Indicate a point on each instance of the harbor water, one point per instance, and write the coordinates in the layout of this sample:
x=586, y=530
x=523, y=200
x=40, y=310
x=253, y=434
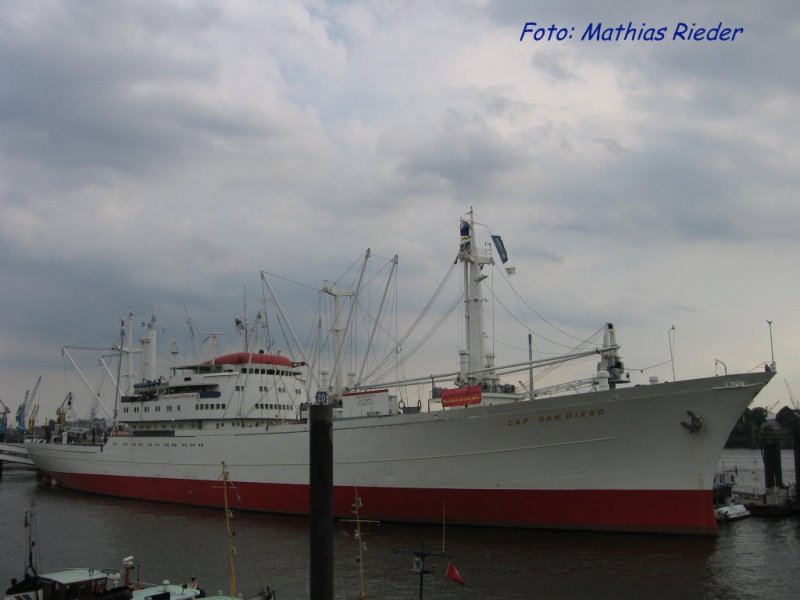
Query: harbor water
x=750, y=559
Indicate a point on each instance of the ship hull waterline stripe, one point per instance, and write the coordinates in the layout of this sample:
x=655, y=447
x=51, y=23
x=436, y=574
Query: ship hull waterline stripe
x=656, y=511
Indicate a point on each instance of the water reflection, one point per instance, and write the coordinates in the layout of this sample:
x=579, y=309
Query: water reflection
x=750, y=559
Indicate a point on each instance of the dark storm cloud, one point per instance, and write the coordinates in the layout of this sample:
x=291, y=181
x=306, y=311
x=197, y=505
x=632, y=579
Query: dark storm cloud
x=161, y=153
x=105, y=85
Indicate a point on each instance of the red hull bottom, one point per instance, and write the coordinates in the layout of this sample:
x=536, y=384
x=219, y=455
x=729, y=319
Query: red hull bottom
x=655, y=511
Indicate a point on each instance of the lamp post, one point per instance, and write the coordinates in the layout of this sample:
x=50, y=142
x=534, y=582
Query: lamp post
x=670, y=337
x=771, y=349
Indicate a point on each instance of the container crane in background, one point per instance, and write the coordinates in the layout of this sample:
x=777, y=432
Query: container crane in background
x=32, y=418
x=4, y=411
x=22, y=412
x=792, y=401
x=61, y=411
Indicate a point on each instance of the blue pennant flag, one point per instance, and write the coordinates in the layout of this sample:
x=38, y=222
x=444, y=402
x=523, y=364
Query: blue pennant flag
x=501, y=249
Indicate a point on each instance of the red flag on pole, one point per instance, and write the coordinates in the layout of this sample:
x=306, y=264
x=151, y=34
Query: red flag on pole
x=453, y=574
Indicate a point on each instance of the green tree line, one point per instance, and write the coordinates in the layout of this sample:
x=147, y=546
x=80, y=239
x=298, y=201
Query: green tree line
x=749, y=429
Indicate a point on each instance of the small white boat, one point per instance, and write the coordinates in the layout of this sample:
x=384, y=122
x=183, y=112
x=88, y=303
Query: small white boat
x=731, y=512
x=85, y=584
x=98, y=584
x=69, y=584
x=165, y=591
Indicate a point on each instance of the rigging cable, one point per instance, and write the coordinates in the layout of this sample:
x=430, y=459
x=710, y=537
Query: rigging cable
x=399, y=345
x=534, y=311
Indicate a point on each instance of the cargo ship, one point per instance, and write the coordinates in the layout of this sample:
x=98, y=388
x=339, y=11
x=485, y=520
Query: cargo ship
x=610, y=456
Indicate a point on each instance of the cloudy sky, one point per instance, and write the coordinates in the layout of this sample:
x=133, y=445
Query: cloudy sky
x=159, y=155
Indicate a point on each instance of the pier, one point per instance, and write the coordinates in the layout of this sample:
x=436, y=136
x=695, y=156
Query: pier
x=14, y=454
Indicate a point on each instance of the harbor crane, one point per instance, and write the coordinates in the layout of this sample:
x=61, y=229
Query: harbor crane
x=22, y=411
x=62, y=410
x=32, y=418
x=791, y=396
x=4, y=411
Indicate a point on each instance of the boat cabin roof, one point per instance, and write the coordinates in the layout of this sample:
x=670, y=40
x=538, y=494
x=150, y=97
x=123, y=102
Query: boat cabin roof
x=72, y=576
x=166, y=591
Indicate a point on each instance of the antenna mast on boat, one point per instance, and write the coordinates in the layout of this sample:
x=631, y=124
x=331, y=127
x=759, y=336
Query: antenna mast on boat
x=360, y=558
x=244, y=321
x=282, y=316
x=231, y=573
x=148, y=343
x=474, y=360
x=339, y=333
x=119, y=374
x=129, y=351
x=33, y=553
x=377, y=319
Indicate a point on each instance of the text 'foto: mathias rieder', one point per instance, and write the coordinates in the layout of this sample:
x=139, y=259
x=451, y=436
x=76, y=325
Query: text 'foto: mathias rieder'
x=628, y=32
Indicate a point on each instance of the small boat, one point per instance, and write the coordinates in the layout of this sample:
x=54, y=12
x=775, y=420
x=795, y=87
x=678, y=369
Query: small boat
x=97, y=584
x=773, y=510
x=70, y=584
x=726, y=506
x=166, y=591
x=87, y=583
x=723, y=486
x=66, y=584
x=267, y=594
x=731, y=512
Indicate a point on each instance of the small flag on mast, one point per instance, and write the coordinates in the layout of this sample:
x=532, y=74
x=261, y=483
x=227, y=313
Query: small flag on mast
x=453, y=574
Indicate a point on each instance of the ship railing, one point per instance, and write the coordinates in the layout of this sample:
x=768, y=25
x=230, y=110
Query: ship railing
x=567, y=387
x=497, y=370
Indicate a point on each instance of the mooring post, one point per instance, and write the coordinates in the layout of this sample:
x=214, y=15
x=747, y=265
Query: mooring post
x=796, y=450
x=321, y=500
x=773, y=473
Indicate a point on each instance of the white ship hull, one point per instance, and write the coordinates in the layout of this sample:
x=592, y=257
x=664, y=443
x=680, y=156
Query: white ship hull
x=620, y=459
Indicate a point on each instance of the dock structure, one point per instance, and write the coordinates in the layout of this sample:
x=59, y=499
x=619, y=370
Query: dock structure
x=777, y=501
x=321, y=501
x=13, y=454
